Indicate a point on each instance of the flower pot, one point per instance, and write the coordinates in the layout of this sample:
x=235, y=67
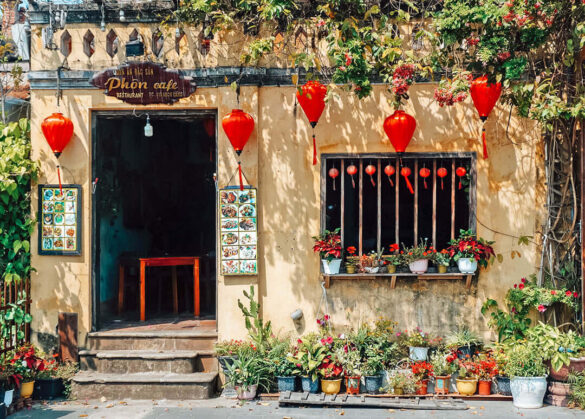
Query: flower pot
x=8, y=396
x=466, y=387
x=442, y=384
x=372, y=269
x=330, y=386
x=398, y=391
x=352, y=385
x=503, y=385
x=442, y=269
x=350, y=269
x=419, y=266
x=391, y=269
x=467, y=265
x=422, y=387
x=576, y=365
x=3, y=412
x=373, y=383
x=417, y=353
x=246, y=393
x=484, y=387
x=287, y=383
x=48, y=389
x=467, y=351
x=26, y=389
x=528, y=392
x=224, y=361
x=310, y=385
x=331, y=267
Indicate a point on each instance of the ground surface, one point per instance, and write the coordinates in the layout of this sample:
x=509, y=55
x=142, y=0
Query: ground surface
x=225, y=408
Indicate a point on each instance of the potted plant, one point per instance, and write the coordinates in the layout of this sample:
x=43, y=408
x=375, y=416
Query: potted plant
x=467, y=377
x=401, y=382
x=309, y=355
x=502, y=378
x=394, y=259
x=442, y=260
x=54, y=381
x=371, y=263
x=443, y=366
x=469, y=251
x=464, y=341
x=27, y=364
x=417, y=257
x=350, y=359
x=487, y=370
x=285, y=374
x=422, y=372
x=417, y=343
x=328, y=245
x=528, y=376
x=246, y=373
x=351, y=260
x=331, y=372
x=227, y=351
x=371, y=368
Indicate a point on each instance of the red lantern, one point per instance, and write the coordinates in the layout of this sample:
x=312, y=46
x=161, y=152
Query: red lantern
x=442, y=172
x=370, y=170
x=460, y=172
x=389, y=170
x=352, y=170
x=333, y=173
x=424, y=173
x=484, y=95
x=399, y=128
x=58, y=131
x=238, y=126
x=405, y=171
x=311, y=97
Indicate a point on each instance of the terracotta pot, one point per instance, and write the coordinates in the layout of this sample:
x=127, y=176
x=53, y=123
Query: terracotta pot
x=442, y=384
x=26, y=389
x=352, y=385
x=485, y=387
x=419, y=266
x=442, y=269
x=391, y=269
x=576, y=365
x=330, y=386
x=466, y=387
x=422, y=387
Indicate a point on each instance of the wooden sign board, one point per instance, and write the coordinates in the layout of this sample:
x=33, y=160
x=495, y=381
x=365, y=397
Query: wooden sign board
x=238, y=222
x=144, y=83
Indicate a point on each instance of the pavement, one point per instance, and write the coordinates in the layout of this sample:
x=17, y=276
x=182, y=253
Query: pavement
x=232, y=409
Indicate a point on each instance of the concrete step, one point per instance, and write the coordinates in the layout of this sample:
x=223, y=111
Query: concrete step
x=134, y=361
x=88, y=385
x=191, y=340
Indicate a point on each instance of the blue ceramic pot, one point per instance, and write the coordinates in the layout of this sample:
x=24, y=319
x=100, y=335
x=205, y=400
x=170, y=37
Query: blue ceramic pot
x=310, y=385
x=373, y=383
x=503, y=385
x=287, y=383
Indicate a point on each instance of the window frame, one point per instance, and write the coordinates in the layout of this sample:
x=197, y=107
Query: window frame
x=396, y=157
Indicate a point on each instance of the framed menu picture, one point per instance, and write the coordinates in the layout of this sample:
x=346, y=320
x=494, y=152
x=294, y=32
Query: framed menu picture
x=60, y=220
x=238, y=220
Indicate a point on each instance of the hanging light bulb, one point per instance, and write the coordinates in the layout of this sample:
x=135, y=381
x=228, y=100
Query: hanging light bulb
x=103, y=22
x=177, y=32
x=148, y=131
x=122, y=16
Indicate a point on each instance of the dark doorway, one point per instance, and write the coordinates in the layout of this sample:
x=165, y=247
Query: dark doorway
x=153, y=197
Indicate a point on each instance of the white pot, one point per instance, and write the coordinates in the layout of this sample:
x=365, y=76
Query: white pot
x=372, y=269
x=8, y=397
x=528, y=392
x=331, y=267
x=419, y=266
x=467, y=265
x=417, y=353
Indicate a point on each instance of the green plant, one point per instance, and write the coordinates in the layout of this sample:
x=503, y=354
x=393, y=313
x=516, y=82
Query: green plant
x=259, y=332
x=13, y=320
x=442, y=258
x=350, y=359
x=553, y=344
x=443, y=363
x=416, y=338
x=577, y=393
x=401, y=380
x=462, y=337
x=525, y=360
x=284, y=368
x=308, y=356
x=246, y=371
x=228, y=347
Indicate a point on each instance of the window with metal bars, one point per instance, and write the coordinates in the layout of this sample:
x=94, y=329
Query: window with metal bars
x=380, y=199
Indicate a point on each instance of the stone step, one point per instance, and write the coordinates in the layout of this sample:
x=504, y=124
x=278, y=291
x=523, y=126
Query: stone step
x=192, y=340
x=134, y=361
x=89, y=385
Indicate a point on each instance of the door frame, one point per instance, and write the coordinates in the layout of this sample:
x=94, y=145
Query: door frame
x=115, y=113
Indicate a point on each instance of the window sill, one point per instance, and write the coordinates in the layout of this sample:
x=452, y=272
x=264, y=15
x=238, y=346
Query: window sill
x=427, y=276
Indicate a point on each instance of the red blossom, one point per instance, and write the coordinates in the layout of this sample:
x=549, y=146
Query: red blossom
x=542, y=308
x=568, y=293
x=521, y=286
x=576, y=294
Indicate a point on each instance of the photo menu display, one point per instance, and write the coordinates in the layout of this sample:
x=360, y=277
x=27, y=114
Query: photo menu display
x=60, y=220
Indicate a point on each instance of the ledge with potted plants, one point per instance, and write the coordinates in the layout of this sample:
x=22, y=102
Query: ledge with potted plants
x=467, y=252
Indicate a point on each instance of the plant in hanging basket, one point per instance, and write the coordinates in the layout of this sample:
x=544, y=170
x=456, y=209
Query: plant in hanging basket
x=328, y=244
x=468, y=246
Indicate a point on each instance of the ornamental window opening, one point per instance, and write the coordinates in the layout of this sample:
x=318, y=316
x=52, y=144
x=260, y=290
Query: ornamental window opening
x=381, y=199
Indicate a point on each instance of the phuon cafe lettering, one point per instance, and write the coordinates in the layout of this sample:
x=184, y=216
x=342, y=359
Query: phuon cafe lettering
x=144, y=83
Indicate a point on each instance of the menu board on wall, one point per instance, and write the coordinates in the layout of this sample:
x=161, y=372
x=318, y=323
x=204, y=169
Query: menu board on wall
x=238, y=220
x=60, y=220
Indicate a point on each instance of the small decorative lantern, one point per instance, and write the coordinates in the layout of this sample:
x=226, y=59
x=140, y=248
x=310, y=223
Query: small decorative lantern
x=238, y=126
x=58, y=130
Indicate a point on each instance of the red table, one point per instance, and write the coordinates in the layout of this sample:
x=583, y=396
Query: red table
x=162, y=261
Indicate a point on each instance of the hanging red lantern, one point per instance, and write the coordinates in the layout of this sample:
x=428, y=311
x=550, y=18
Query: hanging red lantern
x=485, y=96
x=389, y=170
x=311, y=97
x=424, y=173
x=399, y=128
x=442, y=172
x=58, y=131
x=370, y=170
x=333, y=173
x=460, y=172
x=405, y=171
x=352, y=170
x=238, y=126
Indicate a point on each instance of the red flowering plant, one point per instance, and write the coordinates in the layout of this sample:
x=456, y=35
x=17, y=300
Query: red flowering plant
x=487, y=367
x=422, y=370
x=420, y=251
x=328, y=244
x=330, y=368
x=402, y=78
x=468, y=369
x=451, y=91
x=467, y=245
x=324, y=322
x=394, y=258
x=26, y=362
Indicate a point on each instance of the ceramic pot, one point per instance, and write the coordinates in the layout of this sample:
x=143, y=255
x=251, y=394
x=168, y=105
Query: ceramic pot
x=442, y=384
x=246, y=393
x=422, y=387
x=419, y=266
x=442, y=269
x=467, y=265
x=398, y=391
x=391, y=269
x=467, y=351
x=48, y=389
x=310, y=385
x=286, y=383
x=372, y=269
x=466, y=387
x=350, y=269
x=373, y=383
x=26, y=389
x=8, y=396
x=224, y=361
x=484, y=387
x=503, y=385
x=417, y=353
x=528, y=392
x=331, y=267
x=352, y=385
x=330, y=386
x=576, y=365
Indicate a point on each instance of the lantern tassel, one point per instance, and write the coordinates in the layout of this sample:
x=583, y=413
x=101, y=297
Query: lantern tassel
x=459, y=184
x=372, y=180
x=390, y=180
x=352, y=182
x=59, y=176
x=314, y=150
x=485, y=152
x=425, y=182
x=333, y=183
x=441, y=183
x=240, y=174
x=409, y=184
